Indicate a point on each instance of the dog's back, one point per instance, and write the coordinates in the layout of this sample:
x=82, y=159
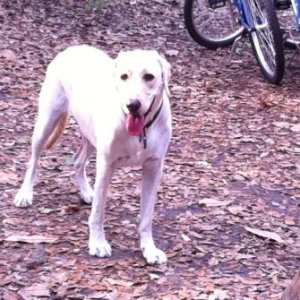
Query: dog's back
x=80, y=68
x=78, y=82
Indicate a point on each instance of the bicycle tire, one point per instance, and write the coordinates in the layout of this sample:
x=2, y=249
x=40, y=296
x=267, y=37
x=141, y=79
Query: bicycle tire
x=288, y=24
x=200, y=36
x=271, y=67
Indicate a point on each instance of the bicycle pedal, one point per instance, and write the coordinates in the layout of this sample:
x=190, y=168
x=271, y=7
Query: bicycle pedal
x=216, y=3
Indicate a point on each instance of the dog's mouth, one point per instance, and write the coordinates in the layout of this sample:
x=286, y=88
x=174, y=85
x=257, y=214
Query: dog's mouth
x=135, y=124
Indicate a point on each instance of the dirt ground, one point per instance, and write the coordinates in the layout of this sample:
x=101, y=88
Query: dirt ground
x=227, y=212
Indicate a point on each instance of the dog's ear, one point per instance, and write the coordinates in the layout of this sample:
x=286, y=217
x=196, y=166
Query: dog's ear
x=166, y=72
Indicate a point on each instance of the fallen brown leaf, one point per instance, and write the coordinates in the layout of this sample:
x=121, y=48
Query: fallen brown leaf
x=295, y=128
x=249, y=281
x=8, y=177
x=31, y=239
x=266, y=234
x=214, y=202
x=35, y=290
x=120, y=282
x=8, y=54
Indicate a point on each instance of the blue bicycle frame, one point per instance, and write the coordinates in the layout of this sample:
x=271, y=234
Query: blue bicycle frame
x=246, y=16
x=296, y=9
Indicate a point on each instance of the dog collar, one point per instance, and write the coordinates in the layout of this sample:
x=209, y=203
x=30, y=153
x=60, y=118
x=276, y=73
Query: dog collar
x=143, y=136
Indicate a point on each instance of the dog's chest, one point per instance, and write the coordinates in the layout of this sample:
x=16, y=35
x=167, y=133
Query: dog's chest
x=133, y=154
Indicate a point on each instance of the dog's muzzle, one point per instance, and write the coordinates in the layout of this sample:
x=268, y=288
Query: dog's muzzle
x=134, y=106
x=135, y=121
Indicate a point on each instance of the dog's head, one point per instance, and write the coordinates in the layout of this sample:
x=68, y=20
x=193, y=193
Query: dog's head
x=142, y=77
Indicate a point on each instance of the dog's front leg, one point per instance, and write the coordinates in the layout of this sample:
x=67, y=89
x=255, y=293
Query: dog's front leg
x=97, y=242
x=152, y=171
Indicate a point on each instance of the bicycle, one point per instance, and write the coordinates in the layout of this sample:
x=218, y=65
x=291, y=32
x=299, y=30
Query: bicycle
x=221, y=23
x=289, y=19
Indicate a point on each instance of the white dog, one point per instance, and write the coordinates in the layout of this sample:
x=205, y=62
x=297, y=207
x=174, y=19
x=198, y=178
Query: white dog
x=122, y=108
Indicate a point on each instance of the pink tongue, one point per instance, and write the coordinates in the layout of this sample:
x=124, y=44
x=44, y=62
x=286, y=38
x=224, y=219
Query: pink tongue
x=134, y=124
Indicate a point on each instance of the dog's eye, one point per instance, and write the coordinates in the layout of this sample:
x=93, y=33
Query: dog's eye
x=124, y=77
x=148, y=77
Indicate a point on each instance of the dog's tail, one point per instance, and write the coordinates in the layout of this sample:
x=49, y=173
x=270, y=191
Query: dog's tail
x=58, y=130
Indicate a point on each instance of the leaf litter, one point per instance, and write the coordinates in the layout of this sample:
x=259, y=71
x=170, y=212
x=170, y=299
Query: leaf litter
x=233, y=163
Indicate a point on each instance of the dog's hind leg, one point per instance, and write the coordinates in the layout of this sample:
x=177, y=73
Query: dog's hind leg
x=52, y=113
x=82, y=155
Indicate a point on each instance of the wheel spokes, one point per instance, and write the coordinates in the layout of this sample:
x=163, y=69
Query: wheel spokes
x=265, y=40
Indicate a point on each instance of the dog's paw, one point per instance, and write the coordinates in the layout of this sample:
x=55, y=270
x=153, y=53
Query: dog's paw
x=23, y=198
x=154, y=255
x=99, y=248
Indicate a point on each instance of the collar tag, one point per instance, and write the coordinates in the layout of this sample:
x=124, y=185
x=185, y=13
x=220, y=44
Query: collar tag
x=143, y=138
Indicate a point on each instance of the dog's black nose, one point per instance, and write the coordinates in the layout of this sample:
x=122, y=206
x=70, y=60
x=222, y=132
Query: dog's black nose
x=134, y=106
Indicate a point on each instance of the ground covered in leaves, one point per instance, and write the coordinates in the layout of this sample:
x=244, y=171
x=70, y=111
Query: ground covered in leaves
x=227, y=213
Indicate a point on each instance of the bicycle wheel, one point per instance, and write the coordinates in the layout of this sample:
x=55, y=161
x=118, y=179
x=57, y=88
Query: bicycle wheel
x=288, y=24
x=212, y=27
x=266, y=40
